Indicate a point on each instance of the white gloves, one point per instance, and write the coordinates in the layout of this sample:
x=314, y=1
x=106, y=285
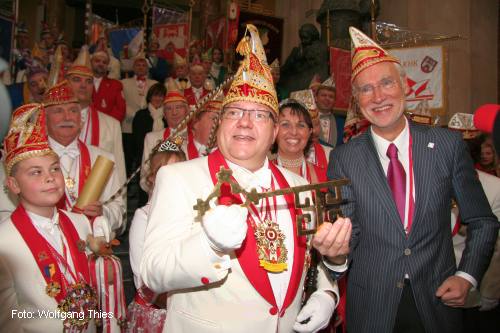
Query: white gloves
x=226, y=227
x=488, y=304
x=318, y=309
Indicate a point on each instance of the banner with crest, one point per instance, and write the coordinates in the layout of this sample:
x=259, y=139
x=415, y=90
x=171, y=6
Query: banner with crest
x=425, y=70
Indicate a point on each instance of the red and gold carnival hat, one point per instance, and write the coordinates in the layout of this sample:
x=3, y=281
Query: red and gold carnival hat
x=27, y=136
x=214, y=105
x=365, y=52
x=81, y=65
x=306, y=97
x=61, y=93
x=174, y=96
x=253, y=81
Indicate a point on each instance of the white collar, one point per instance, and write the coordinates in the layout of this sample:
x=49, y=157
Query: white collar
x=248, y=179
x=44, y=222
x=71, y=150
x=401, y=141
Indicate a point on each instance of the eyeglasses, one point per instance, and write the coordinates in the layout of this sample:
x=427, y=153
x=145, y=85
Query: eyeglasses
x=368, y=90
x=235, y=113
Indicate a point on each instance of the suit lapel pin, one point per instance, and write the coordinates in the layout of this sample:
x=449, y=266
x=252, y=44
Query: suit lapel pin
x=430, y=145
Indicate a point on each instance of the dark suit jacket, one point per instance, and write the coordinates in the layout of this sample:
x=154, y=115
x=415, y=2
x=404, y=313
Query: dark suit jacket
x=381, y=253
x=142, y=125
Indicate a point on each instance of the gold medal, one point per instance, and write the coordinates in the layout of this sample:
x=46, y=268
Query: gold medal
x=69, y=182
x=271, y=246
x=53, y=288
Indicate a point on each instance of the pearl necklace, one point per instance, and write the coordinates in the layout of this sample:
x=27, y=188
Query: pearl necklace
x=295, y=163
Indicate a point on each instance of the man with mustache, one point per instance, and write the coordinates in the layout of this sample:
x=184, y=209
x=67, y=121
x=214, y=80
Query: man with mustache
x=98, y=129
x=237, y=269
x=403, y=177
x=77, y=158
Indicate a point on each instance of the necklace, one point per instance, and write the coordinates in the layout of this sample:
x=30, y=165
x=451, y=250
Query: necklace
x=294, y=163
x=69, y=181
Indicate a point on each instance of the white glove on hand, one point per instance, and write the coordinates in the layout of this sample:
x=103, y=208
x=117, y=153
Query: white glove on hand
x=226, y=227
x=318, y=309
x=488, y=304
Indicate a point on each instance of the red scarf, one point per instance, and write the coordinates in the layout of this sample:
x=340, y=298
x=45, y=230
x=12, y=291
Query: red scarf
x=247, y=254
x=43, y=253
x=85, y=167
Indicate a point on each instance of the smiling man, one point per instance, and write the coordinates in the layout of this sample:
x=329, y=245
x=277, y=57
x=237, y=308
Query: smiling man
x=237, y=269
x=403, y=276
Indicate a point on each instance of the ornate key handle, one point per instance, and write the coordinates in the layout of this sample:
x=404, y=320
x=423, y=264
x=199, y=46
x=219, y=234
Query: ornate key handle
x=326, y=206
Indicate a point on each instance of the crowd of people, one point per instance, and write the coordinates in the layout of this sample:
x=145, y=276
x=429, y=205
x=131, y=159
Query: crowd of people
x=419, y=224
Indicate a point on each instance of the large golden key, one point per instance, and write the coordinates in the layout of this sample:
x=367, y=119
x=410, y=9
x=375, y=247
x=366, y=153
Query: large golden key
x=326, y=205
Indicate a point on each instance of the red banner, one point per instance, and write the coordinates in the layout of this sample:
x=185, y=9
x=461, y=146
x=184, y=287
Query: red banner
x=173, y=37
x=233, y=17
x=340, y=67
x=215, y=33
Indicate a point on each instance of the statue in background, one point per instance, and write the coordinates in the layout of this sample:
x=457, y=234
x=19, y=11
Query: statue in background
x=306, y=60
x=342, y=15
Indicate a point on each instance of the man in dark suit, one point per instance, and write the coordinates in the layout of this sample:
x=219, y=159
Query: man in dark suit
x=402, y=273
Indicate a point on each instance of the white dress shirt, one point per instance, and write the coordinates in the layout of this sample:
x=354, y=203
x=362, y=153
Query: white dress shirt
x=49, y=229
x=97, y=82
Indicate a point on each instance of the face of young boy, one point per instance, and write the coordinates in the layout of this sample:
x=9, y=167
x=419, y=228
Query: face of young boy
x=38, y=181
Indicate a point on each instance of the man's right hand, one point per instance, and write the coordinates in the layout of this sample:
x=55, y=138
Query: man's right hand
x=226, y=227
x=332, y=240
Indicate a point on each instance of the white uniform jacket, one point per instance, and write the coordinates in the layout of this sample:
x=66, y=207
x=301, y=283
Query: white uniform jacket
x=209, y=293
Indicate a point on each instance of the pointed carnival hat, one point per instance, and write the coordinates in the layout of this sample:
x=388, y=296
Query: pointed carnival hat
x=306, y=97
x=56, y=73
x=27, y=135
x=215, y=105
x=61, y=93
x=253, y=81
x=275, y=65
x=173, y=94
x=329, y=84
x=179, y=60
x=464, y=122
x=315, y=82
x=81, y=65
x=365, y=52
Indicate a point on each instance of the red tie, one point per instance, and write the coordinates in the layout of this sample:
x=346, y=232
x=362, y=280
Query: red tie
x=396, y=177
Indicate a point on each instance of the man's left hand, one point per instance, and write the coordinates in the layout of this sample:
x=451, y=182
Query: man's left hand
x=93, y=209
x=453, y=292
x=316, y=314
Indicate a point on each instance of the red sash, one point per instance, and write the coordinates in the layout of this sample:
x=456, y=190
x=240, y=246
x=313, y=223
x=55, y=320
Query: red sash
x=192, y=152
x=93, y=122
x=321, y=160
x=166, y=133
x=247, y=254
x=191, y=147
x=85, y=167
x=43, y=253
x=411, y=201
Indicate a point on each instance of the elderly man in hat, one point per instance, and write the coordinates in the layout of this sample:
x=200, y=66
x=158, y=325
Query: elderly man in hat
x=236, y=269
x=403, y=276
